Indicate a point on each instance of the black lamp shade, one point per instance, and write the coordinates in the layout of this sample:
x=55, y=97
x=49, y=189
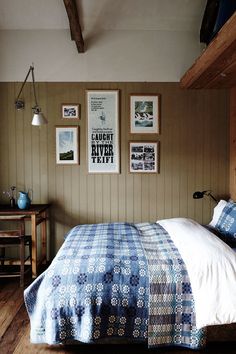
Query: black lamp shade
x=198, y=195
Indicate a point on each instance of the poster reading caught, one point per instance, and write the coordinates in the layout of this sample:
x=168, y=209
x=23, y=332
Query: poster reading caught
x=103, y=131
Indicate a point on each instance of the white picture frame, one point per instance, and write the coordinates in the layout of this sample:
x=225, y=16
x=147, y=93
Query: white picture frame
x=67, y=145
x=103, y=150
x=143, y=157
x=145, y=113
x=70, y=111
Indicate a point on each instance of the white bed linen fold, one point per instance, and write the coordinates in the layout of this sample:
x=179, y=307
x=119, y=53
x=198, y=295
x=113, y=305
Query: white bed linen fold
x=211, y=266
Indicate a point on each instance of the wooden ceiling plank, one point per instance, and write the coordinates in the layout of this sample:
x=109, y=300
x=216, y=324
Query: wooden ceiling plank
x=217, y=69
x=219, y=53
x=75, y=28
x=226, y=79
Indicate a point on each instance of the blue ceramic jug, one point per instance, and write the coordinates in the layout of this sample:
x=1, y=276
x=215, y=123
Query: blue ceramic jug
x=24, y=200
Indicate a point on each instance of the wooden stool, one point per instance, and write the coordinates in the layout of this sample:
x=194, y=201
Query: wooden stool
x=15, y=238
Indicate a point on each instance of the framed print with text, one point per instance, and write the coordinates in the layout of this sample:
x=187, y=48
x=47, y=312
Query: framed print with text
x=144, y=113
x=67, y=145
x=143, y=157
x=103, y=131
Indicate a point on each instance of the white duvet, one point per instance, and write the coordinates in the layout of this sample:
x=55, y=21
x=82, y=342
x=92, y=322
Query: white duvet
x=211, y=266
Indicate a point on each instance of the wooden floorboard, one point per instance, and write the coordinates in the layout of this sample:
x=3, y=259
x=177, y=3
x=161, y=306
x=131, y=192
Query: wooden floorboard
x=15, y=331
x=10, y=302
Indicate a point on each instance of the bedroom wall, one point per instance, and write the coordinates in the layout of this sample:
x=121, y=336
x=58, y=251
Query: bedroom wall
x=120, y=55
x=232, y=178
x=193, y=156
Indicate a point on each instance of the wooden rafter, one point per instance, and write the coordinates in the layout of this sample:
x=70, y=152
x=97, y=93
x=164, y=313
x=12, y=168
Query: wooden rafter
x=75, y=28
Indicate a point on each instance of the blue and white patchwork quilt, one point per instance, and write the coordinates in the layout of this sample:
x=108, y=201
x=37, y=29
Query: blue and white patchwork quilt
x=114, y=280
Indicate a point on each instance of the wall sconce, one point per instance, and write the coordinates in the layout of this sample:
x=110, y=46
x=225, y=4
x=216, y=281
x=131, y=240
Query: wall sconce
x=38, y=117
x=199, y=195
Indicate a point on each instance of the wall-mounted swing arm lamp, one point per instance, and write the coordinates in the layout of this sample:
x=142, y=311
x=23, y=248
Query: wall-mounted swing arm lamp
x=38, y=117
x=199, y=195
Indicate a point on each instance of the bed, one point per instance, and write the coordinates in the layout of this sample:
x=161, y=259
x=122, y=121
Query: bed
x=162, y=283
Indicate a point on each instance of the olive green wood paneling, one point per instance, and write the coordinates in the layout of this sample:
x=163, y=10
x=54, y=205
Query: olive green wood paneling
x=233, y=143
x=193, y=156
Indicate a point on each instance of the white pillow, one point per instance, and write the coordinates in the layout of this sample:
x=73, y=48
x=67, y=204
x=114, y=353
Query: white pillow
x=217, y=212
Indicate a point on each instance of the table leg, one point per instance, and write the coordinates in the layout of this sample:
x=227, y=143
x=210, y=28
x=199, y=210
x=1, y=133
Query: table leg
x=34, y=245
x=44, y=237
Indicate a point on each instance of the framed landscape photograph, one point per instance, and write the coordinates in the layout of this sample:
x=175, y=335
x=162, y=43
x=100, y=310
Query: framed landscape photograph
x=70, y=111
x=144, y=114
x=103, y=131
x=67, y=140
x=144, y=157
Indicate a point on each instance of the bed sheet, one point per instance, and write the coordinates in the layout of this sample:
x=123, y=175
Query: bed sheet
x=211, y=266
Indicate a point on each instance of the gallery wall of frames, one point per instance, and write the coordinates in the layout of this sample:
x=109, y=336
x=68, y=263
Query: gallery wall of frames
x=115, y=151
x=103, y=132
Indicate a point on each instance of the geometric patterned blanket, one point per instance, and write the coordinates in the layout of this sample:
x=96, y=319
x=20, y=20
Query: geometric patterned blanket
x=172, y=319
x=115, y=280
x=96, y=287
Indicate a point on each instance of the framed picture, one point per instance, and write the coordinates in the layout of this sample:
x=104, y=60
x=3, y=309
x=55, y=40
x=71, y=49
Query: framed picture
x=103, y=131
x=70, y=111
x=67, y=140
x=145, y=114
x=143, y=157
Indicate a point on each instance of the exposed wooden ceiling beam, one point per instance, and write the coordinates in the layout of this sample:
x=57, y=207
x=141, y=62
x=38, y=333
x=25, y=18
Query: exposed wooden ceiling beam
x=75, y=28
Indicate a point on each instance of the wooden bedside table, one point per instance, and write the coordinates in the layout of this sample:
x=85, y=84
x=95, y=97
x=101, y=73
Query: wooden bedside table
x=37, y=214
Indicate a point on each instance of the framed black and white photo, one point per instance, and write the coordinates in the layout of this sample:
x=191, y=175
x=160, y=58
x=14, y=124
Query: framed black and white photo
x=144, y=113
x=67, y=145
x=70, y=111
x=103, y=131
x=144, y=157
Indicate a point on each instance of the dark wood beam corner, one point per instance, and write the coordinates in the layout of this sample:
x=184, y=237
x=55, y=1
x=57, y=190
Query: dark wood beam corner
x=75, y=28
